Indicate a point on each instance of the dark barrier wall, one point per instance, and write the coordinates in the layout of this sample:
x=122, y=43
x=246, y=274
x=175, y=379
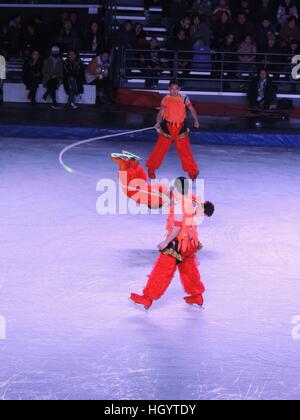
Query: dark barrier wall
x=258, y=139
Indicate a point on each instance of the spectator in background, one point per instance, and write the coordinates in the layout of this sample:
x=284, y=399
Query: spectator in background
x=263, y=9
x=140, y=37
x=53, y=75
x=140, y=42
x=242, y=28
x=126, y=35
x=200, y=29
x=181, y=42
x=67, y=39
x=94, y=39
x=221, y=29
x=244, y=7
x=73, y=77
x=272, y=61
x=42, y=37
x=286, y=9
x=202, y=8
x=151, y=63
x=177, y=11
x=29, y=38
x=201, y=56
x=264, y=30
x=289, y=31
x=292, y=50
x=4, y=40
x=59, y=24
x=14, y=33
x=183, y=46
x=261, y=93
x=247, y=57
x=184, y=24
x=229, y=48
x=32, y=74
x=223, y=6
x=97, y=73
x=76, y=28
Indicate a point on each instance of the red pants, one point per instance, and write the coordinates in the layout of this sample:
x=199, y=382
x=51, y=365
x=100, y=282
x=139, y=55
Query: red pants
x=183, y=147
x=142, y=192
x=164, y=271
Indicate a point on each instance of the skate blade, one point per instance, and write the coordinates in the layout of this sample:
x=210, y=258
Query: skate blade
x=196, y=306
x=119, y=156
x=131, y=155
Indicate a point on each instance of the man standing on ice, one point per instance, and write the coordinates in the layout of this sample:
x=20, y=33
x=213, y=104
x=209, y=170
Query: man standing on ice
x=172, y=126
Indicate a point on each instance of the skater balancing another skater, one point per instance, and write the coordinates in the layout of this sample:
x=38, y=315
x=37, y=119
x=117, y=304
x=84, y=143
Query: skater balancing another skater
x=181, y=245
x=178, y=250
x=172, y=127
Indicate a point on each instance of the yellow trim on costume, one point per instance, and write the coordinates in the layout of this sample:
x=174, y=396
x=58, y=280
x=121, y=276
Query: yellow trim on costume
x=173, y=253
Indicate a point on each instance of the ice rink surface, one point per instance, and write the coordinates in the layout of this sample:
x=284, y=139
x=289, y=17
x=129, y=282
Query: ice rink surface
x=66, y=274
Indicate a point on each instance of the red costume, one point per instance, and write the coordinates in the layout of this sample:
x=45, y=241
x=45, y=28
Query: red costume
x=174, y=129
x=134, y=181
x=181, y=252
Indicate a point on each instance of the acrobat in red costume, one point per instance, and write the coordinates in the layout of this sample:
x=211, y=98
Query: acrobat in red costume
x=179, y=248
x=172, y=127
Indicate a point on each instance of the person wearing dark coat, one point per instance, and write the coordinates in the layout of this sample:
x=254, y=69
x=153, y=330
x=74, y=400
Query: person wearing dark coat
x=94, y=38
x=73, y=77
x=32, y=74
x=53, y=75
x=261, y=93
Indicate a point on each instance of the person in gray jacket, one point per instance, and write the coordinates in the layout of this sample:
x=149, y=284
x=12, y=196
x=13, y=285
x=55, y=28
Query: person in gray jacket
x=53, y=75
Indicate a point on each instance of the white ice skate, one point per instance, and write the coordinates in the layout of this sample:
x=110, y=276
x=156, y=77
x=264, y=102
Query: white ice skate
x=131, y=155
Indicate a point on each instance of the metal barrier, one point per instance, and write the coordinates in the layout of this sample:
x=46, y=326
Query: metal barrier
x=205, y=70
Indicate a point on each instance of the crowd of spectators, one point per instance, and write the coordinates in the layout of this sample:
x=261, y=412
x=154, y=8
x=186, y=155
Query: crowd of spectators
x=19, y=35
x=240, y=28
x=247, y=31
x=51, y=54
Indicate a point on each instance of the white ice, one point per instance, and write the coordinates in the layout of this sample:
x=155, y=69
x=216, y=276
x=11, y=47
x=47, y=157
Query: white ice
x=66, y=274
